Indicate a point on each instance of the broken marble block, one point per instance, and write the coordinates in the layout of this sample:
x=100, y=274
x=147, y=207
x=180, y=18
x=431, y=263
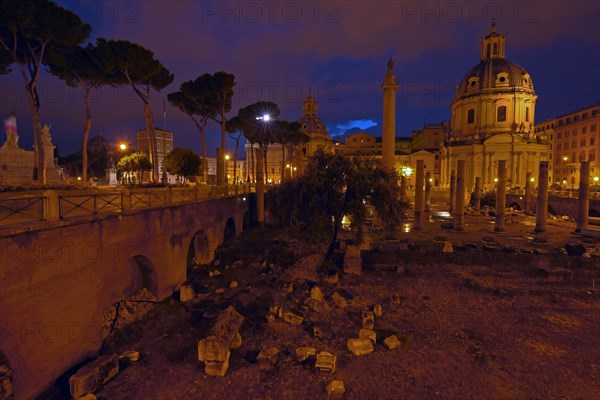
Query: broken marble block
x=368, y=320
x=302, y=353
x=292, y=318
x=338, y=300
x=317, y=294
x=369, y=334
x=335, y=390
x=447, y=247
x=391, y=342
x=186, y=293
x=360, y=346
x=130, y=355
x=269, y=357
x=215, y=355
x=227, y=327
x=326, y=362
x=378, y=310
x=94, y=375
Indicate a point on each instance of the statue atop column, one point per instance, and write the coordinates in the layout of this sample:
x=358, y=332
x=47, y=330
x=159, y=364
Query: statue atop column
x=390, y=64
x=46, y=138
x=10, y=127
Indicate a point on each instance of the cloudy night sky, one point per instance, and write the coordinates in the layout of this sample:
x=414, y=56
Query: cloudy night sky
x=277, y=50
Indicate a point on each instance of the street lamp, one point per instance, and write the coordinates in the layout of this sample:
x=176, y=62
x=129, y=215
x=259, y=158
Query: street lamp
x=123, y=146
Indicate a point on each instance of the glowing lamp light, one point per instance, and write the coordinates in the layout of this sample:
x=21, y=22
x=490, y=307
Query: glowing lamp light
x=495, y=179
x=407, y=171
x=565, y=158
x=532, y=179
x=78, y=178
x=123, y=146
x=596, y=179
x=345, y=221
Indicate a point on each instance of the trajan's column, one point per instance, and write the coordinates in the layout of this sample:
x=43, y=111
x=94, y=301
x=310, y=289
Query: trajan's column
x=389, y=89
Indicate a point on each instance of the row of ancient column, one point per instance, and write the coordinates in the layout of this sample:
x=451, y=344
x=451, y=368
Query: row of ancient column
x=457, y=196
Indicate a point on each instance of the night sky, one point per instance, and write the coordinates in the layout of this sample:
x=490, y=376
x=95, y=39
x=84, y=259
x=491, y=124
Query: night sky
x=278, y=49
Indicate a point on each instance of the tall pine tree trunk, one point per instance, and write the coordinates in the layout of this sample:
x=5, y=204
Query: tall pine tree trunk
x=39, y=155
x=86, y=134
x=204, y=160
x=221, y=166
x=282, y=162
x=265, y=159
x=252, y=162
x=150, y=130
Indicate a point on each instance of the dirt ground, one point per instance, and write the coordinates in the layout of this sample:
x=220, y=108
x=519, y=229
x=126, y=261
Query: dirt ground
x=494, y=319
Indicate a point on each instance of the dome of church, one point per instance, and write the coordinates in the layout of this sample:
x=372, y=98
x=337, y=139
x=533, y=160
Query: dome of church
x=494, y=71
x=310, y=122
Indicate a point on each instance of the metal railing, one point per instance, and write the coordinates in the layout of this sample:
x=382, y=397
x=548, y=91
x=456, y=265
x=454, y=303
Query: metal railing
x=22, y=209
x=51, y=205
x=89, y=204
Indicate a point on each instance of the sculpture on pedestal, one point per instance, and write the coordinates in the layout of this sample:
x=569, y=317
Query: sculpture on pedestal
x=10, y=127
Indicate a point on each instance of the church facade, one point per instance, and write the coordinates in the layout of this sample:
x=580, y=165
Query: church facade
x=493, y=119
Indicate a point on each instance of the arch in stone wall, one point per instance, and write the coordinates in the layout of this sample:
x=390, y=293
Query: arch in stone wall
x=229, y=231
x=246, y=221
x=143, y=275
x=198, y=251
x=6, y=377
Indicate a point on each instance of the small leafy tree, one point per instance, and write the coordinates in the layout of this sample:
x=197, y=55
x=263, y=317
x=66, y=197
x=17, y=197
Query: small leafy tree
x=134, y=165
x=182, y=162
x=334, y=187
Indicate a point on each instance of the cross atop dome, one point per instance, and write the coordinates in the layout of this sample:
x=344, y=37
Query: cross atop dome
x=309, y=108
x=493, y=45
